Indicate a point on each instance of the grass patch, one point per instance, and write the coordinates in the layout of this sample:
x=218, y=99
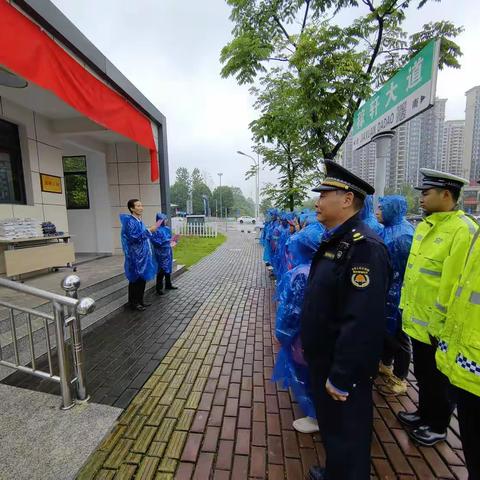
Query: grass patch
x=191, y=250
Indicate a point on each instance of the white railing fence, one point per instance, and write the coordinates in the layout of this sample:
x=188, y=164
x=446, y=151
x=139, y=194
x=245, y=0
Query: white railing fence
x=196, y=229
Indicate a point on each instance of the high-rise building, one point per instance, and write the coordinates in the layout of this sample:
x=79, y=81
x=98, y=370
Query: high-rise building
x=453, y=147
x=416, y=144
x=361, y=162
x=471, y=152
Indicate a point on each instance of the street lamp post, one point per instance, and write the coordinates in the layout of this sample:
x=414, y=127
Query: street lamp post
x=257, y=181
x=220, y=189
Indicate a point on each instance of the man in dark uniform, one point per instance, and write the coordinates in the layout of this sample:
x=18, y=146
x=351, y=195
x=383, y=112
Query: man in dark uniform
x=343, y=325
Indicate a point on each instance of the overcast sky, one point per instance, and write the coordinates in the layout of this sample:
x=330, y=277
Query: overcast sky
x=170, y=48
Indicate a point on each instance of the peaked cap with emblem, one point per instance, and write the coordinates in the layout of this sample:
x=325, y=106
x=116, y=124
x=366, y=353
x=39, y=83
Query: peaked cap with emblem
x=437, y=179
x=339, y=178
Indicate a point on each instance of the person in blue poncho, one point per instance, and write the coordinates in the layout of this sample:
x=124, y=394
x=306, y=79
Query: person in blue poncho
x=367, y=214
x=290, y=368
x=139, y=266
x=162, y=253
x=269, y=244
x=286, y=230
x=397, y=236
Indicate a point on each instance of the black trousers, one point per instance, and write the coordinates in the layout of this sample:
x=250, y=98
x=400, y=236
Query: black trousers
x=435, y=394
x=397, y=349
x=468, y=408
x=136, y=291
x=345, y=427
x=160, y=276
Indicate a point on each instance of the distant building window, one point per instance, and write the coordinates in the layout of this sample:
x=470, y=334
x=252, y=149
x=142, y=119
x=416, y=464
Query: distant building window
x=12, y=183
x=76, y=182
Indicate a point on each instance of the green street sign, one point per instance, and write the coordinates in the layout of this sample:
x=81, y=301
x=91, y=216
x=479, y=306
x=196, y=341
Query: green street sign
x=409, y=92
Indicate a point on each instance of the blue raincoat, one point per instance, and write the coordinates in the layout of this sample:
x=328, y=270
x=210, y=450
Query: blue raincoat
x=280, y=263
x=367, y=214
x=136, y=247
x=162, y=250
x=268, y=237
x=397, y=236
x=289, y=365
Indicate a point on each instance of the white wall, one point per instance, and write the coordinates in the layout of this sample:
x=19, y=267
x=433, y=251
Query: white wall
x=41, y=153
x=128, y=171
x=92, y=229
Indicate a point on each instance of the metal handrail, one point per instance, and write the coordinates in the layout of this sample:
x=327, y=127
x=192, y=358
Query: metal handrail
x=67, y=312
x=37, y=292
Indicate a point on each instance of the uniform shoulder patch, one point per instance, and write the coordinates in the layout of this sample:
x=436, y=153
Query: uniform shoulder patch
x=357, y=236
x=360, y=276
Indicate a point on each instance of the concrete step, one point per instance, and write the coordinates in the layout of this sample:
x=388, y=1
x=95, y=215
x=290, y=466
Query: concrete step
x=110, y=296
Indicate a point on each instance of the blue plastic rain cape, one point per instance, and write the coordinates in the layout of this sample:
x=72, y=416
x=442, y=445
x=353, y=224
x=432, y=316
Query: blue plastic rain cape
x=397, y=236
x=280, y=259
x=268, y=239
x=367, y=214
x=162, y=250
x=136, y=247
x=289, y=367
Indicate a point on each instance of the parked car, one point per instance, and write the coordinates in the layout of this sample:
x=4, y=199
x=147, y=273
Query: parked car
x=247, y=220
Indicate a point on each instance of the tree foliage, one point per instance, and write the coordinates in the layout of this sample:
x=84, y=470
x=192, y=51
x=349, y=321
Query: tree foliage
x=309, y=73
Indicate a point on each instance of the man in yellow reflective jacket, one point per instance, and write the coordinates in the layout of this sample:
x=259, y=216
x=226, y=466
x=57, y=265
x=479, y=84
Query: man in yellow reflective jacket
x=458, y=355
x=439, y=248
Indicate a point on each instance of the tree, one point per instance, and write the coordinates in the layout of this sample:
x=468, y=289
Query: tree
x=279, y=134
x=242, y=205
x=225, y=193
x=199, y=191
x=265, y=204
x=180, y=190
x=332, y=68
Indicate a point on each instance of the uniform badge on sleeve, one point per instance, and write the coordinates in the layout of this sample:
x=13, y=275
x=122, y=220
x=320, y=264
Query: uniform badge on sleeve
x=360, y=276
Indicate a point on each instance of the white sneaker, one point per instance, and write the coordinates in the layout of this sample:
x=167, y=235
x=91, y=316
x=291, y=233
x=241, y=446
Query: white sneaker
x=306, y=425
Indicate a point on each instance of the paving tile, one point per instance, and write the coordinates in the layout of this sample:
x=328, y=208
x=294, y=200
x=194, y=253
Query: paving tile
x=209, y=409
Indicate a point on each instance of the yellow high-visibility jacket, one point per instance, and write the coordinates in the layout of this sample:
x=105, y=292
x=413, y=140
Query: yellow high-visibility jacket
x=439, y=249
x=458, y=351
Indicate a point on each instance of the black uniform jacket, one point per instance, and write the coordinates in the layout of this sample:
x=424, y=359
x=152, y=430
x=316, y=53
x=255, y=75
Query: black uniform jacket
x=343, y=320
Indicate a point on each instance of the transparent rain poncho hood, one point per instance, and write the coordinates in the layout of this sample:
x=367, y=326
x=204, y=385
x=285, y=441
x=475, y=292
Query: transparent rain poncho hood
x=136, y=247
x=397, y=236
x=367, y=214
x=162, y=250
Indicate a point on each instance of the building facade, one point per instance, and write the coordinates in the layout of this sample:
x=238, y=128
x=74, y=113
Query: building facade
x=73, y=152
x=453, y=148
x=471, y=156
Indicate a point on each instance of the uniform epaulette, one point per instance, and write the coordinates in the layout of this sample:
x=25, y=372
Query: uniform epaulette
x=357, y=236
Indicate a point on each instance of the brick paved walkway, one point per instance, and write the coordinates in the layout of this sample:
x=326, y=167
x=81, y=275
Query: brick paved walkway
x=209, y=409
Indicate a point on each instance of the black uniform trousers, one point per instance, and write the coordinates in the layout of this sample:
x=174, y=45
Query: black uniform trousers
x=468, y=408
x=160, y=276
x=136, y=291
x=397, y=350
x=435, y=394
x=345, y=427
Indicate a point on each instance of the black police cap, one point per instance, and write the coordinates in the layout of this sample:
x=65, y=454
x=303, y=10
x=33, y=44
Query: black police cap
x=339, y=178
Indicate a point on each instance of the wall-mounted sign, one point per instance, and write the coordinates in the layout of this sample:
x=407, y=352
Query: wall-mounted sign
x=50, y=183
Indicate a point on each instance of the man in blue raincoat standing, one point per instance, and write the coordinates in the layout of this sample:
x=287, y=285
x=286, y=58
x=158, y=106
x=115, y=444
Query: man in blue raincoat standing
x=139, y=267
x=162, y=252
x=397, y=236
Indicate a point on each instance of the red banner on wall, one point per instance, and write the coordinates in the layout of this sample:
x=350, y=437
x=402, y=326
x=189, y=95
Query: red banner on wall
x=30, y=53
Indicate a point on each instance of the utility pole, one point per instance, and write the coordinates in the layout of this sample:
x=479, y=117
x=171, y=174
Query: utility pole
x=220, y=189
x=257, y=181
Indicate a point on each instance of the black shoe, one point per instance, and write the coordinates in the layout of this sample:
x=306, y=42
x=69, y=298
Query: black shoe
x=139, y=308
x=171, y=287
x=411, y=420
x=146, y=304
x=160, y=292
x=316, y=473
x=425, y=436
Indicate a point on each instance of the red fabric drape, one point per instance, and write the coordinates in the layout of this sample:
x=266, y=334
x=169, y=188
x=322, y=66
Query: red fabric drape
x=29, y=52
